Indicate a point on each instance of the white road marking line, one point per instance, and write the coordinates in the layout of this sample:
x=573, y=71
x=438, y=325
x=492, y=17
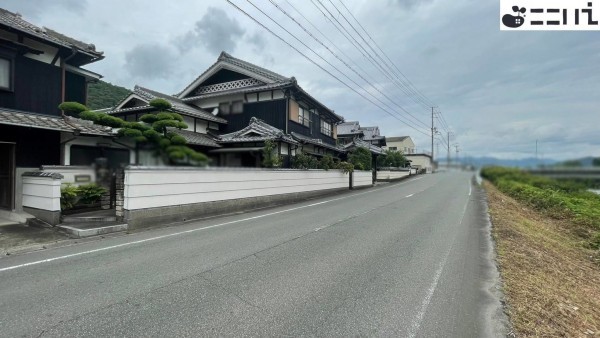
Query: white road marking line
x=470, y=188
x=416, y=323
x=186, y=231
x=407, y=196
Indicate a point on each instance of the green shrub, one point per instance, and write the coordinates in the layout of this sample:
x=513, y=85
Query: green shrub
x=304, y=161
x=361, y=158
x=326, y=162
x=271, y=158
x=72, y=108
x=89, y=115
x=345, y=167
x=68, y=196
x=160, y=104
x=90, y=193
x=558, y=199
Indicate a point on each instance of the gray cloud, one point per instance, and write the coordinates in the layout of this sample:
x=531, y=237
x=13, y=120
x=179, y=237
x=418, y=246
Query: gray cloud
x=258, y=41
x=32, y=9
x=410, y=4
x=216, y=31
x=150, y=61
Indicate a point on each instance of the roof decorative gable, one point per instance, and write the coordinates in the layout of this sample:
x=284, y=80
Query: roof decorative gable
x=177, y=105
x=225, y=61
x=257, y=130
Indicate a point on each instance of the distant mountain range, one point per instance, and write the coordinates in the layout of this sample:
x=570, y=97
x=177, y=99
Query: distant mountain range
x=530, y=162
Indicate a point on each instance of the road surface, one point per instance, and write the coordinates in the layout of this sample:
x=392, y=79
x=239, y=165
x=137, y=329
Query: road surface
x=410, y=259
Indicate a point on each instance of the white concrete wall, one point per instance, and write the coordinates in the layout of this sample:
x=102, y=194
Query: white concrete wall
x=159, y=187
x=41, y=193
x=69, y=173
x=391, y=175
x=362, y=178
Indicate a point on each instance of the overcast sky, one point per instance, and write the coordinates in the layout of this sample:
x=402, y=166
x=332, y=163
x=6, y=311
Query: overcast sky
x=498, y=91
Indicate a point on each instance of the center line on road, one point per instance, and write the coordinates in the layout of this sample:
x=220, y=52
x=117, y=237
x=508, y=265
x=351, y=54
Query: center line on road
x=407, y=196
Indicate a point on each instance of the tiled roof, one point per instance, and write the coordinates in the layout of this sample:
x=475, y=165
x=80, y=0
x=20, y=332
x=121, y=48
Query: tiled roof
x=15, y=21
x=397, y=139
x=268, y=86
x=177, y=105
x=68, y=124
x=252, y=67
x=349, y=128
x=316, y=141
x=256, y=131
x=371, y=133
x=228, y=59
x=196, y=138
x=357, y=143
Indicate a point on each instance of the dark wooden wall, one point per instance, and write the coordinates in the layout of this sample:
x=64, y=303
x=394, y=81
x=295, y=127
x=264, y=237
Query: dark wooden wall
x=272, y=112
x=37, y=88
x=34, y=147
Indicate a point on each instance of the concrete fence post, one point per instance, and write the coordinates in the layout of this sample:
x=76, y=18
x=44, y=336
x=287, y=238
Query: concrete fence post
x=41, y=195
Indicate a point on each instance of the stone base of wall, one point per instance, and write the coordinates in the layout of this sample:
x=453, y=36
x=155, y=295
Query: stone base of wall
x=50, y=217
x=178, y=213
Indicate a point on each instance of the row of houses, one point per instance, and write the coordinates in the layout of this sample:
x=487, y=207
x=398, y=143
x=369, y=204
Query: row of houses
x=231, y=109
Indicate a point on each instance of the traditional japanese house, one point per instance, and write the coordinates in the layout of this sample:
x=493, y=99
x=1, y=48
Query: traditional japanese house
x=39, y=69
x=348, y=131
x=238, y=91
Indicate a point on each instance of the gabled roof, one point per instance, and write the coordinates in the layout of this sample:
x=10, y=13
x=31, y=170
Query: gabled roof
x=256, y=131
x=67, y=124
x=241, y=90
x=194, y=138
x=316, y=141
x=357, y=143
x=371, y=133
x=226, y=61
x=397, y=139
x=178, y=105
x=16, y=22
x=349, y=128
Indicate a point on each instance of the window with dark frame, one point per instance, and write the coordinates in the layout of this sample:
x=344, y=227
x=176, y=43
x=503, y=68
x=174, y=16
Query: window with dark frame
x=304, y=116
x=326, y=128
x=5, y=73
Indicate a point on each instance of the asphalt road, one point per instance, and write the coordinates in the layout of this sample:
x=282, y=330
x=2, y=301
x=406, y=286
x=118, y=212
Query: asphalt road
x=410, y=259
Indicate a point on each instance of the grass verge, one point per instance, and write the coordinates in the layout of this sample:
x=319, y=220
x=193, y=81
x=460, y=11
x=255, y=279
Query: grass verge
x=551, y=281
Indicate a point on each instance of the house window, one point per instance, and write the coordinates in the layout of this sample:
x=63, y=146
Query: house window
x=5, y=74
x=325, y=128
x=304, y=116
x=393, y=148
x=237, y=107
x=224, y=108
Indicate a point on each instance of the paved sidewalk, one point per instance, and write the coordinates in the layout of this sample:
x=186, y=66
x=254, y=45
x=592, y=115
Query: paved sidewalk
x=18, y=237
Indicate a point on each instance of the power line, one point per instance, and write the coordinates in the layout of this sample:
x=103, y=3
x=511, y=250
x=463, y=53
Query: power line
x=358, y=45
x=318, y=65
x=410, y=90
x=345, y=63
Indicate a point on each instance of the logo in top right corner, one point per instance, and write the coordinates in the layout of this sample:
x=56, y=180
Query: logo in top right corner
x=548, y=15
x=512, y=21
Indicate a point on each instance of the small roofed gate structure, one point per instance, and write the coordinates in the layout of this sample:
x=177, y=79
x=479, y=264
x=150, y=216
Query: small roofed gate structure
x=375, y=153
x=244, y=148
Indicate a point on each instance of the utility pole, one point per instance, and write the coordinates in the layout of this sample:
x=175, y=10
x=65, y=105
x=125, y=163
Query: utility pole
x=432, y=133
x=448, y=144
x=537, y=162
x=456, y=146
